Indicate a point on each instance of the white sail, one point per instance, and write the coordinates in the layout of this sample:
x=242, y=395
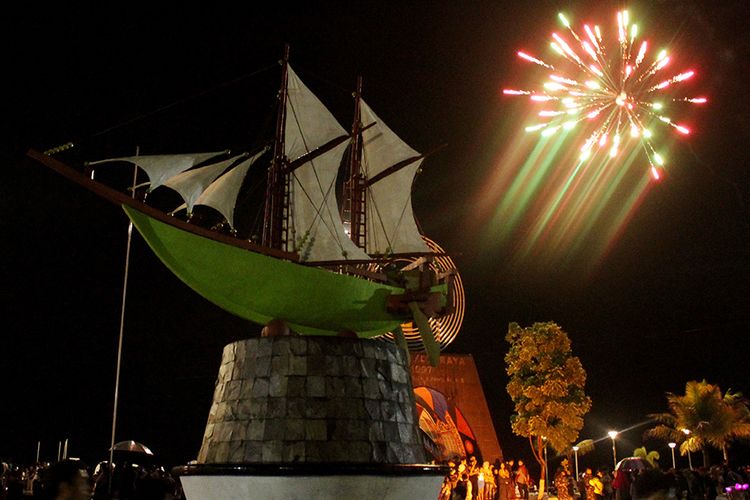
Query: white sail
x=309, y=124
x=222, y=194
x=315, y=227
x=390, y=220
x=161, y=167
x=192, y=183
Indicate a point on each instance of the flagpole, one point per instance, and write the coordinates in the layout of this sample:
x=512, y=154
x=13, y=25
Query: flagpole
x=122, y=329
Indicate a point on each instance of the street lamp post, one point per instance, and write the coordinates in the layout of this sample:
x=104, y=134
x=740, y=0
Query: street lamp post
x=672, y=445
x=690, y=459
x=613, y=435
x=546, y=471
x=575, y=452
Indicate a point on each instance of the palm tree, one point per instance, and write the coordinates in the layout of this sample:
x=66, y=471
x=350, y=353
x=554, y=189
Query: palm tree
x=713, y=419
x=651, y=457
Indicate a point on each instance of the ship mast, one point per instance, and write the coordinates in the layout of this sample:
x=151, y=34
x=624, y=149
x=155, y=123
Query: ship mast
x=355, y=189
x=277, y=188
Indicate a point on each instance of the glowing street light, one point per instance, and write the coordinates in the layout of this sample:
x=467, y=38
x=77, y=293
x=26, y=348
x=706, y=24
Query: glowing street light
x=690, y=459
x=672, y=445
x=613, y=435
x=575, y=451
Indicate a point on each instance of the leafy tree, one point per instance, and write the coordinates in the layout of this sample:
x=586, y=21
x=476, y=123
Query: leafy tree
x=584, y=447
x=546, y=386
x=711, y=418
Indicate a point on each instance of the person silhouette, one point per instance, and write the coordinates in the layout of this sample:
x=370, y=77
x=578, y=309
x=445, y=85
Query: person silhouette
x=523, y=478
x=66, y=480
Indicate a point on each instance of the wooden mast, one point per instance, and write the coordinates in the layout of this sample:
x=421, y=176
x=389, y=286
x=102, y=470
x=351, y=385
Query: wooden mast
x=355, y=189
x=277, y=189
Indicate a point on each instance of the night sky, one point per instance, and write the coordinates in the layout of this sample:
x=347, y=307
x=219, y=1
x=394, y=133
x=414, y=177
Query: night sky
x=649, y=305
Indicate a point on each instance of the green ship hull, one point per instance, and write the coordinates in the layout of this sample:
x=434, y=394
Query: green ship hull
x=260, y=288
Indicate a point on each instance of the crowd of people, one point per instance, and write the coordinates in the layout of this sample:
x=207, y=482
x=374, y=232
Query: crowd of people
x=702, y=483
x=504, y=480
x=467, y=480
x=74, y=480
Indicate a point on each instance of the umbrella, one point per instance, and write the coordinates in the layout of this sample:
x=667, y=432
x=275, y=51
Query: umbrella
x=132, y=447
x=132, y=452
x=631, y=464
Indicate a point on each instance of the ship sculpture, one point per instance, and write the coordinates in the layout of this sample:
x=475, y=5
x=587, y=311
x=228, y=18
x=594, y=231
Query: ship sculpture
x=328, y=261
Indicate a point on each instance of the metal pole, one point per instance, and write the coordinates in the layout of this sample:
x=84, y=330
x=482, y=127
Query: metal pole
x=613, y=435
x=575, y=451
x=59, y=447
x=119, y=341
x=672, y=447
x=65, y=449
x=687, y=433
x=546, y=472
x=614, y=453
x=38, y=449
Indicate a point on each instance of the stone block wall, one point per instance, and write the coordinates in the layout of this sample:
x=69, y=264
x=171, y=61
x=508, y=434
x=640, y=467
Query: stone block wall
x=312, y=400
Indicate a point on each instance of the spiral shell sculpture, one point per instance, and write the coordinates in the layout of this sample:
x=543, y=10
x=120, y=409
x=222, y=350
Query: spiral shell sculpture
x=446, y=327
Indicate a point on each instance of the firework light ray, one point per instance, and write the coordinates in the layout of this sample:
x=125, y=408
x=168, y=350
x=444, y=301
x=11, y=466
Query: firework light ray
x=617, y=99
x=551, y=210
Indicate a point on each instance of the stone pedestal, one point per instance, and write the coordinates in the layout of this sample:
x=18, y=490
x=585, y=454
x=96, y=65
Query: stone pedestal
x=340, y=410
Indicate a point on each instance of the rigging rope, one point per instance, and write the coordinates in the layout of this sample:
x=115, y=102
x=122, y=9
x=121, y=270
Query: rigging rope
x=174, y=104
x=335, y=234
x=371, y=200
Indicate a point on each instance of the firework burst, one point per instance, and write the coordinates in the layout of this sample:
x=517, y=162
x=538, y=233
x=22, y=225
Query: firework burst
x=622, y=93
